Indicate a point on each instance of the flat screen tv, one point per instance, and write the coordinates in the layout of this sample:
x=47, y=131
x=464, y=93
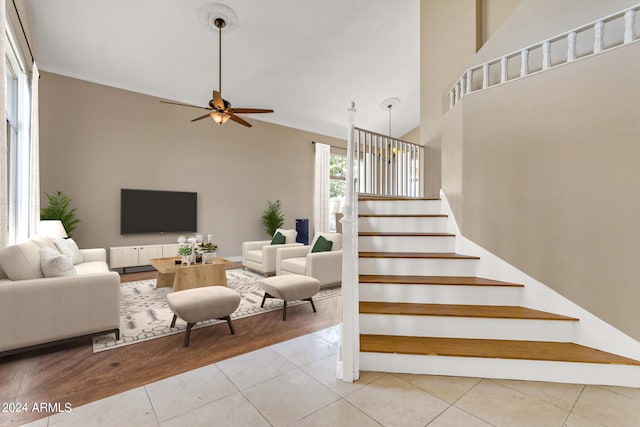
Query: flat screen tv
x=152, y=211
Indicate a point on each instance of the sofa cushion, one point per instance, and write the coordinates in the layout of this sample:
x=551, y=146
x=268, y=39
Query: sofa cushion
x=322, y=245
x=45, y=242
x=69, y=248
x=255, y=256
x=278, y=239
x=289, y=234
x=294, y=265
x=54, y=264
x=21, y=261
x=92, y=267
x=336, y=238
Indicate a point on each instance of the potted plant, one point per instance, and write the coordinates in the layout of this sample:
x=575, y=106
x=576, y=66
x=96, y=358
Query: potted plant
x=208, y=251
x=60, y=208
x=186, y=251
x=272, y=218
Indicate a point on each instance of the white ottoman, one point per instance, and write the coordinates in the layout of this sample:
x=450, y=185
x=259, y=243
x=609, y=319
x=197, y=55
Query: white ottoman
x=199, y=304
x=290, y=287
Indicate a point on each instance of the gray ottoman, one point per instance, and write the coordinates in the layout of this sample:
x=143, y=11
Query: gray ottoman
x=199, y=304
x=290, y=287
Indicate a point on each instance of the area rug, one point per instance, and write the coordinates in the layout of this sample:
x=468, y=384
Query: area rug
x=145, y=314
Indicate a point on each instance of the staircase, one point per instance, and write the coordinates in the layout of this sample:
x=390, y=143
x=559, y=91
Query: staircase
x=423, y=310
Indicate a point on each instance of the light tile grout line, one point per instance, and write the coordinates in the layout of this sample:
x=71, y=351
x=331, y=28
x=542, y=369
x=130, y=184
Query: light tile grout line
x=464, y=394
x=155, y=414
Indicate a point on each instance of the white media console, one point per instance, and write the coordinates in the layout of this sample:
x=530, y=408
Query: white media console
x=139, y=255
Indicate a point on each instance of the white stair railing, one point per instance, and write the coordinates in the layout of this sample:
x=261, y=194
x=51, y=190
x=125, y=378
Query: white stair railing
x=590, y=39
x=386, y=166
x=348, y=363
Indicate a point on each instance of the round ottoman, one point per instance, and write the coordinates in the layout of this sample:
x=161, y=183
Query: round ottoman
x=290, y=287
x=198, y=304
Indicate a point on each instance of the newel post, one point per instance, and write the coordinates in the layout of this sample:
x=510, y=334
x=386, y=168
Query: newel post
x=348, y=363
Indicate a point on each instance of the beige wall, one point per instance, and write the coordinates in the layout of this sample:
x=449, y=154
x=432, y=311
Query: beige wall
x=494, y=14
x=533, y=21
x=448, y=37
x=96, y=140
x=545, y=173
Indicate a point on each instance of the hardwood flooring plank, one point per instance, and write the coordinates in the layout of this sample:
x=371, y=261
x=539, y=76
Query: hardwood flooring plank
x=433, y=280
x=459, y=310
x=501, y=349
x=424, y=255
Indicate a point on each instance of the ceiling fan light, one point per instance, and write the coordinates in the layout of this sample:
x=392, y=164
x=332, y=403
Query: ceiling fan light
x=219, y=117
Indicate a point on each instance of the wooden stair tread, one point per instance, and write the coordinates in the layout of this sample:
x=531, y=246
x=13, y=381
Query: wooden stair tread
x=403, y=234
x=433, y=280
x=459, y=310
x=402, y=215
x=484, y=348
x=422, y=255
x=396, y=198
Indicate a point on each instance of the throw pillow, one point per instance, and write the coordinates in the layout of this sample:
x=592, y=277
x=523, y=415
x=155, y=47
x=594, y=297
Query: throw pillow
x=322, y=245
x=278, y=239
x=69, y=248
x=54, y=264
x=45, y=241
x=21, y=261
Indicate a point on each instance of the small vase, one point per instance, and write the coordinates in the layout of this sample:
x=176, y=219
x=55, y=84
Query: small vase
x=209, y=258
x=186, y=259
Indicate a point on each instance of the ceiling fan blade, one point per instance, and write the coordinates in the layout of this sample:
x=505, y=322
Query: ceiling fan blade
x=201, y=117
x=250, y=110
x=184, y=105
x=239, y=120
x=218, y=102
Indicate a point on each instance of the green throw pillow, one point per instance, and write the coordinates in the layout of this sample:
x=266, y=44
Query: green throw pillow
x=322, y=245
x=278, y=239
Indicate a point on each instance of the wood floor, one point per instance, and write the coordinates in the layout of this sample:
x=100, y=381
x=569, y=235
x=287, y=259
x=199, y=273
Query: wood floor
x=72, y=373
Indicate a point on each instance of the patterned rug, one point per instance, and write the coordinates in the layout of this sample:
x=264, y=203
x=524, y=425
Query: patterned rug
x=145, y=314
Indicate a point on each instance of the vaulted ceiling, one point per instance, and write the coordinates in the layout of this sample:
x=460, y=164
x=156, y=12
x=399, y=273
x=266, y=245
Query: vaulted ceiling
x=306, y=59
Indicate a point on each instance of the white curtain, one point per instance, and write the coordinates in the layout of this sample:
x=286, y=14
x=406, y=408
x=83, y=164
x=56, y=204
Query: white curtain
x=4, y=150
x=321, y=193
x=34, y=169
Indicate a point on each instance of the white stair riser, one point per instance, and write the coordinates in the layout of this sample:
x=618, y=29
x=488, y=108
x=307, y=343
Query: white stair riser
x=400, y=207
x=411, y=224
x=417, y=266
x=468, y=327
x=406, y=243
x=440, y=294
x=531, y=370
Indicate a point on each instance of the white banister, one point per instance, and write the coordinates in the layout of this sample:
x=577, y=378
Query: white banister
x=524, y=62
x=348, y=363
x=546, y=55
x=598, y=42
x=629, y=26
x=485, y=76
x=464, y=85
x=503, y=69
x=571, y=46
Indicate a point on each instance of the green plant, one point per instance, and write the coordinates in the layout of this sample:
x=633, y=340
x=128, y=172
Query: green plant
x=185, y=250
x=207, y=247
x=60, y=208
x=272, y=218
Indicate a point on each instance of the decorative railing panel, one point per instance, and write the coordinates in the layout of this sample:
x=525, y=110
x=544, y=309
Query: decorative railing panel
x=386, y=166
x=591, y=39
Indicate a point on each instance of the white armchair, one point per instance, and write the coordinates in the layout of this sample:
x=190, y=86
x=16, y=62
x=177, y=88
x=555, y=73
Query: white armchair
x=324, y=266
x=260, y=255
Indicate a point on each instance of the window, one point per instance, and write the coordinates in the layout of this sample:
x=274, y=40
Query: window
x=337, y=187
x=18, y=99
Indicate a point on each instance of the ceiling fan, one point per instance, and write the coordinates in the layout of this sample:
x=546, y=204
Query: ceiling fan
x=220, y=109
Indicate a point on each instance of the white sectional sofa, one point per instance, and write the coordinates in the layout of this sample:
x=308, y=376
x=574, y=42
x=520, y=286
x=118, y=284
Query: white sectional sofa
x=37, y=310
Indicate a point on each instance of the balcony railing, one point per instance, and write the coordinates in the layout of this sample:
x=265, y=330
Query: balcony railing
x=590, y=39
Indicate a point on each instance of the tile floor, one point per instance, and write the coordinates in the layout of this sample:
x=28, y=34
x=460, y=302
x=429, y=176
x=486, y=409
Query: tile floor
x=293, y=384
